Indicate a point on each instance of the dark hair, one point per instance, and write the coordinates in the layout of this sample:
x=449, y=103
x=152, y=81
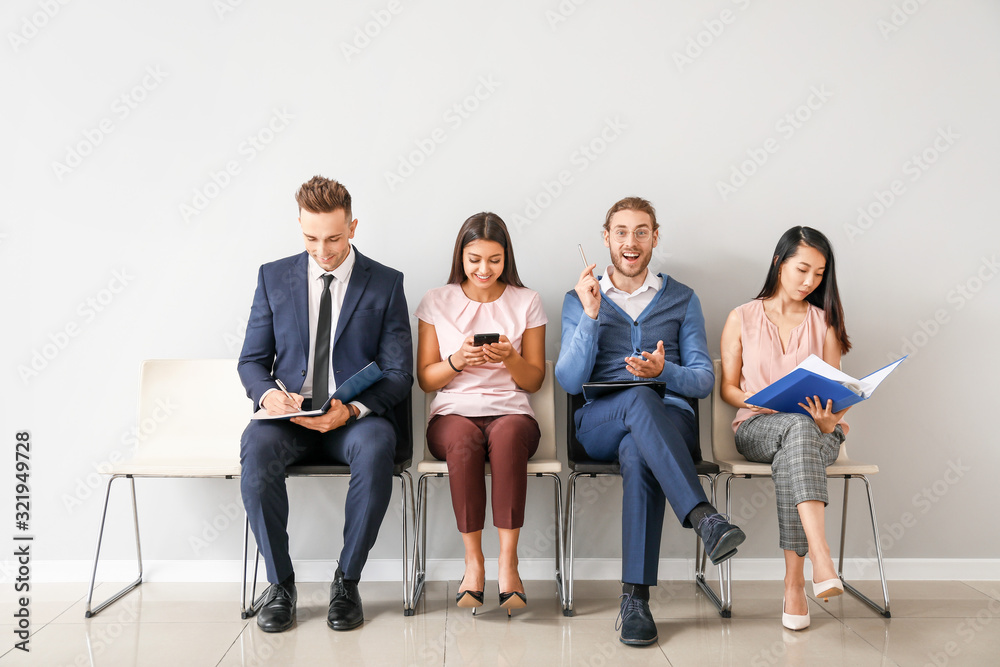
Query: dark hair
x=637, y=204
x=488, y=227
x=323, y=195
x=826, y=295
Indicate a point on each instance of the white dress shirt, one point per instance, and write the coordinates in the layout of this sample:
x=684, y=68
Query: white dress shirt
x=633, y=304
x=338, y=288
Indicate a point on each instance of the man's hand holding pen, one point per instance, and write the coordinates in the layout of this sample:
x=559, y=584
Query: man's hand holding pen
x=282, y=402
x=589, y=291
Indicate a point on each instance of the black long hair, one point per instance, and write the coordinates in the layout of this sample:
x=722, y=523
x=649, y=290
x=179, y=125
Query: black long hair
x=488, y=227
x=826, y=295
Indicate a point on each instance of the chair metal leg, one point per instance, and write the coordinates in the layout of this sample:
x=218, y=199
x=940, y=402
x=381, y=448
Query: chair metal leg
x=570, y=524
x=884, y=611
x=89, y=613
x=726, y=609
x=700, y=560
x=727, y=567
x=255, y=605
x=406, y=483
x=419, y=542
x=560, y=583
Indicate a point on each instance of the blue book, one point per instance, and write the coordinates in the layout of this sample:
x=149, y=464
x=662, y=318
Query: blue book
x=815, y=377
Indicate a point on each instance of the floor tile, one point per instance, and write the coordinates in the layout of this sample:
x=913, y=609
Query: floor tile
x=933, y=623
x=128, y=644
x=46, y=601
x=158, y=602
x=386, y=638
x=493, y=639
x=910, y=599
x=972, y=642
x=697, y=642
x=668, y=599
x=991, y=588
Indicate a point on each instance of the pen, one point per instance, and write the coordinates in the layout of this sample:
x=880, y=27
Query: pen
x=281, y=386
x=585, y=262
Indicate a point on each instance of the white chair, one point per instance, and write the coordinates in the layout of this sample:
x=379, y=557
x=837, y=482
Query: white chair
x=734, y=465
x=543, y=464
x=191, y=412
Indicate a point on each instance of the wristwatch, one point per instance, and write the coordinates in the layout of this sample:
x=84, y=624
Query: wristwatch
x=353, y=416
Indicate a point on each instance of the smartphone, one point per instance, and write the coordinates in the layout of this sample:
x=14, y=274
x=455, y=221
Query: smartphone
x=485, y=339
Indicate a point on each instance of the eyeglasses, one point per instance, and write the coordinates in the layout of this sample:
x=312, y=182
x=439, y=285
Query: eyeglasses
x=640, y=235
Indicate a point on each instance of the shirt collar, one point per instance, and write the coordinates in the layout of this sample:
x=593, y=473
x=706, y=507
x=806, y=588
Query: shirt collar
x=341, y=273
x=652, y=281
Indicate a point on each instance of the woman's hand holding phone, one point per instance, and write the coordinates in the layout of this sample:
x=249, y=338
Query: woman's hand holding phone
x=499, y=352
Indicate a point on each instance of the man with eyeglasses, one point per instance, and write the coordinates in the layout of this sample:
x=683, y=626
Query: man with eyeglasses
x=631, y=324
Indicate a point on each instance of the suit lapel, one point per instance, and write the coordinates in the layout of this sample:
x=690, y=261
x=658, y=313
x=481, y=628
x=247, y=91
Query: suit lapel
x=298, y=290
x=355, y=288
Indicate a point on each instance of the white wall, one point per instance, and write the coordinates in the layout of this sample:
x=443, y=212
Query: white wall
x=885, y=79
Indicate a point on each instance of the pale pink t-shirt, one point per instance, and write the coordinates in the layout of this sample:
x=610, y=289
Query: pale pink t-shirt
x=763, y=360
x=487, y=390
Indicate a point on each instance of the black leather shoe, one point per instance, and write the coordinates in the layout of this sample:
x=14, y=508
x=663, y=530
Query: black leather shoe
x=345, y=604
x=635, y=622
x=720, y=537
x=277, y=612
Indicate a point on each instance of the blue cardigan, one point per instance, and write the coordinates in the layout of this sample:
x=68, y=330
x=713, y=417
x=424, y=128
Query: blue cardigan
x=595, y=350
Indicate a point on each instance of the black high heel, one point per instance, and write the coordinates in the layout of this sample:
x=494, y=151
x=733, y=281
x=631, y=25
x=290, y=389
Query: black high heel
x=467, y=599
x=513, y=600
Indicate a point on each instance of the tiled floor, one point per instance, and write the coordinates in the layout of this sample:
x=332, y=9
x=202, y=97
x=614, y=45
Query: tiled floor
x=934, y=623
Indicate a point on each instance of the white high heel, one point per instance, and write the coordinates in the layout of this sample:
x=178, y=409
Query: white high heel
x=793, y=622
x=828, y=589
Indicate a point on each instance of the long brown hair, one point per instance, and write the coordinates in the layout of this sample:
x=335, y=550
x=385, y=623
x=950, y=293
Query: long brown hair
x=488, y=227
x=826, y=295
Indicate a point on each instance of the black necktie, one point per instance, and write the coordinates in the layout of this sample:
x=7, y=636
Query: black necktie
x=321, y=359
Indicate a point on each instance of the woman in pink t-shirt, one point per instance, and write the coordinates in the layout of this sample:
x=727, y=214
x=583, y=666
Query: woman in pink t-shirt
x=481, y=407
x=797, y=313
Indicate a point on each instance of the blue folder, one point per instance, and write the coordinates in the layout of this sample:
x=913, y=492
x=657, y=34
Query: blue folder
x=785, y=394
x=356, y=384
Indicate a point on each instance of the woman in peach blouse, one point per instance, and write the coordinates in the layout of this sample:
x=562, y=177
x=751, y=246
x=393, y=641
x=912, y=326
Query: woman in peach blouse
x=797, y=313
x=481, y=408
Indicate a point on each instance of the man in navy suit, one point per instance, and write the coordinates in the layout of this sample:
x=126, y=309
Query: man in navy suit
x=317, y=318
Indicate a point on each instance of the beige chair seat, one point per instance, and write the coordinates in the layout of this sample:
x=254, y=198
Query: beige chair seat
x=842, y=466
x=535, y=466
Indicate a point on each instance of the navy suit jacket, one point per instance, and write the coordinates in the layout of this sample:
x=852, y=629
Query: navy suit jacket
x=374, y=325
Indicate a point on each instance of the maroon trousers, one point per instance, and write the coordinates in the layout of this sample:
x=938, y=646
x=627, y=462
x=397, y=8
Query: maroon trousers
x=508, y=441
